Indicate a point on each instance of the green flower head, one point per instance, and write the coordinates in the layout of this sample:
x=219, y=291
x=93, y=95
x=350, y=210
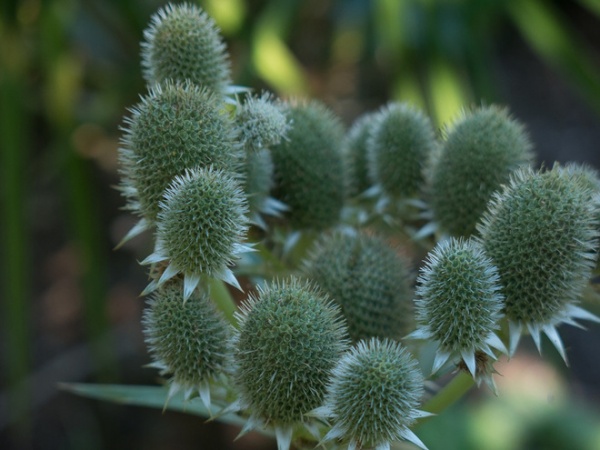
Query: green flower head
x=480, y=152
x=368, y=279
x=183, y=43
x=356, y=153
x=290, y=338
x=262, y=122
x=201, y=227
x=188, y=340
x=459, y=306
x=373, y=396
x=541, y=231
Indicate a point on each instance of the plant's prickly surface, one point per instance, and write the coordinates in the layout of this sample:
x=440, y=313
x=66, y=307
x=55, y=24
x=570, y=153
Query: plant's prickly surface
x=289, y=339
x=459, y=306
x=355, y=151
x=480, y=152
x=262, y=123
x=541, y=231
x=183, y=43
x=373, y=395
x=258, y=179
x=202, y=222
x=189, y=340
x=178, y=126
x=309, y=168
x=398, y=149
x=368, y=279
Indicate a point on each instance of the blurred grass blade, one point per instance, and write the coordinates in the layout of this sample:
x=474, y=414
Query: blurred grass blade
x=542, y=28
x=591, y=5
x=448, y=94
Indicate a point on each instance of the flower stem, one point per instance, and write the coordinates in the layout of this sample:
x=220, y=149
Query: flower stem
x=223, y=299
x=449, y=394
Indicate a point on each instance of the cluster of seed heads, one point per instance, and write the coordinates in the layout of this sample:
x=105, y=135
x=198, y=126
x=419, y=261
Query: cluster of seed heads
x=327, y=349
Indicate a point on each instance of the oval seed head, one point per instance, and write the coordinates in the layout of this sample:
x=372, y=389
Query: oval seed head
x=262, y=123
x=399, y=146
x=189, y=340
x=373, y=396
x=176, y=127
x=290, y=338
x=541, y=233
x=355, y=151
x=201, y=226
x=459, y=305
x=368, y=279
x=183, y=43
x=480, y=152
x=309, y=168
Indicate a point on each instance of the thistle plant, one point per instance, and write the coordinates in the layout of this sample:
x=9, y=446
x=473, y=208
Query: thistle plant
x=199, y=166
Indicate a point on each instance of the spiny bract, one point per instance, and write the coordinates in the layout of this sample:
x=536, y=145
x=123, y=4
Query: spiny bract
x=183, y=43
x=480, y=152
x=309, y=168
x=459, y=305
x=289, y=339
x=373, y=395
x=200, y=227
x=188, y=340
x=261, y=123
x=178, y=126
x=398, y=147
x=541, y=233
x=368, y=279
x=355, y=152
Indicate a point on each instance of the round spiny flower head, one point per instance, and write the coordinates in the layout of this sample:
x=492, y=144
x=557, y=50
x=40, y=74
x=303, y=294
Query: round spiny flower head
x=290, y=338
x=261, y=122
x=368, y=279
x=541, y=233
x=373, y=395
x=200, y=227
x=355, y=151
x=183, y=43
x=398, y=147
x=459, y=304
x=178, y=126
x=480, y=152
x=309, y=167
x=189, y=340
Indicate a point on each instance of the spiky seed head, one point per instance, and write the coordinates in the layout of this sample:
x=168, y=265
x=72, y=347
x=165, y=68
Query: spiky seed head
x=480, y=152
x=458, y=306
x=290, y=337
x=355, y=151
x=262, y=122
x=178, y=126
x=373, y=395
x=368, y=279
x=188, y=340
x=309, y=169
x=541, y=232
x=202, y=222
x=183, y=43
x=398, y=148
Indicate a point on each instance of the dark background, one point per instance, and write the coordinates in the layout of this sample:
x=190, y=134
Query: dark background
x=70, y=309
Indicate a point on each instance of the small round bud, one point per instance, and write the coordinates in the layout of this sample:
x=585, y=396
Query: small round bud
x=373, y=396
x=188, y=340
x=541, y=232
x=176, y=127
x=355, y=151
x=459, y=303
x=183, y=43
x=309, y=168
x=201, y=225
x=261, y=122
x=398, y=147
x=480, y=152
x=368, y=279
x=289, y=339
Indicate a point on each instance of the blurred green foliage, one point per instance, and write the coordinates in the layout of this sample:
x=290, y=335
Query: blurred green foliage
x=68, y=69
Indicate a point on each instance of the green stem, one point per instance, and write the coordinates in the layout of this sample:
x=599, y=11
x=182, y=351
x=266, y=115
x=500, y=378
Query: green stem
x=223, y=299
x=449, y=394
